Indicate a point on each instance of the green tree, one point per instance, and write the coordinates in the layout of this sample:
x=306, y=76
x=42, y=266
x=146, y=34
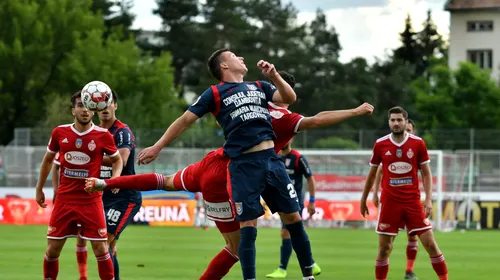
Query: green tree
x=431, y=45
x=117, y=15
x=410, y=52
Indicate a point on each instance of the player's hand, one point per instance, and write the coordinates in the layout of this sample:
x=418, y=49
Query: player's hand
x=40, y=198
x=267, y=68
x=428, y=207
x=311, y=209
x=364, y=209
x=115, y=191
x=375, y=199
x=148, y=155
x=364, y=109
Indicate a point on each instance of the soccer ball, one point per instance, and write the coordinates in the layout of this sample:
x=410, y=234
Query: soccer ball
x=96, y=96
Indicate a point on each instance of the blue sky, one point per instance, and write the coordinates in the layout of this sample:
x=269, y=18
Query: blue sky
x=367, y=28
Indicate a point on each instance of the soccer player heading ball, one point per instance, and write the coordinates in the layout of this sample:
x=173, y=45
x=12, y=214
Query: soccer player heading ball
x=401, y=155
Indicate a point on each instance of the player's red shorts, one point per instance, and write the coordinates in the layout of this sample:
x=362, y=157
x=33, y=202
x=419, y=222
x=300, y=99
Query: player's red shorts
x=209, y=176
x=394, y=215
x=67, y=219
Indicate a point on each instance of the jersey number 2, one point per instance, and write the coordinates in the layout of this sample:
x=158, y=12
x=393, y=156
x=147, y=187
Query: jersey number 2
x=291, y=191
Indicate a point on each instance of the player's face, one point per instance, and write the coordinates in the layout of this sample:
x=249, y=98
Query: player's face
x=81, y=114
x=234, y=63
x=397, y=123
x=109, y=113
x=409, y=128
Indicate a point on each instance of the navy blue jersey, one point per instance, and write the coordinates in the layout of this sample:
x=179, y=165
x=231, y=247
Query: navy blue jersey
x=297, y=167
x=241, y=110
x=124, y=138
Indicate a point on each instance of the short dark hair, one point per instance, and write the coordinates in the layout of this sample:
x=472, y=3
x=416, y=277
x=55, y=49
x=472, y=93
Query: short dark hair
x=398, y=110
x=213, y=63
x=75, y=95
x=410, y=121
x=289, y=78
x=115, y=96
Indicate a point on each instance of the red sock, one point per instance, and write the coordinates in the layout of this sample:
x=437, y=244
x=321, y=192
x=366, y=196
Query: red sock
x=439, y=265
x=381, y=269
x=105, y=267
x=50, y=268
x=220, y=265
x=140, y=182
x=81, y=259
x=411, y=255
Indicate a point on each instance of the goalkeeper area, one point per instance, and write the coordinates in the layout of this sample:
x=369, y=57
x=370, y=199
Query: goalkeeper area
x=148, y=253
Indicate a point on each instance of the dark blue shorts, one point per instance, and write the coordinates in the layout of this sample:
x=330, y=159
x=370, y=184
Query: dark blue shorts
x=119, y=213
x=259, y=174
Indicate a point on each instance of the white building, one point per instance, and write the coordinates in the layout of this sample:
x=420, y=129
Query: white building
x=475, y=33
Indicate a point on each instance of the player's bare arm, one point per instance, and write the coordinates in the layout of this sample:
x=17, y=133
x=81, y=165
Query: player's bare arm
x=117, y=165
x=376, y=186
x=311, y=207
x=427, y=180
x=55, y=180
x=45, y=168
x=173, y=131
x=368, y=186
x=285, y=93
x=328, y=118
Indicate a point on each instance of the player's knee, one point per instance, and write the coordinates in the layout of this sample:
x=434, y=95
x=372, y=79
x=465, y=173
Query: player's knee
x=290, y=218
x=54, y=249
x=285, y=234
x=99, y=247
x=168, y=183
x=384, y=249
x=80, y=242
x=251, y=223
x=412, y=238
x=232, y=241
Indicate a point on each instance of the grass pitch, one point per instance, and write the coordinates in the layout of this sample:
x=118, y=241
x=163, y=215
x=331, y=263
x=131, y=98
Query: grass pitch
x=147, y=253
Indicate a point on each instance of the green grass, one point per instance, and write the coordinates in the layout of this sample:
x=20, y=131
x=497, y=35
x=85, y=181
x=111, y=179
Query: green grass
x=182, y=253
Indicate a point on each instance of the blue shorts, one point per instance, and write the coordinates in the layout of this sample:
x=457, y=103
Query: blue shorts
x=119, y=213
x=257, y=174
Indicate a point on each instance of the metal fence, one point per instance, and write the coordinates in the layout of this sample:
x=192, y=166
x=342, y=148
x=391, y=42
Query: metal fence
x=331, y=138
x=20, y=166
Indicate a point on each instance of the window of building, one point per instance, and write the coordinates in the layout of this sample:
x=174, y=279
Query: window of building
x=480, y=25
x=483, y=58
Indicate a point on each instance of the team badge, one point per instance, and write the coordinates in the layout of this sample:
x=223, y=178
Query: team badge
x=92, y=145
x=50, y=230
x=239, y=208
x=252, y=87
x=78, y=143
x=102, y=231
x=427, y=222
x=409, y=154
x=399, y=153
x=382, y=226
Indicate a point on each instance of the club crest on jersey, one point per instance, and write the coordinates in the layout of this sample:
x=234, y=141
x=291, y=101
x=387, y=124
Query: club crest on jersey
x=399, y=153
x=409, y=154
x=239, y=208
x=78, y=143
x=252, y=87
x=92, y=145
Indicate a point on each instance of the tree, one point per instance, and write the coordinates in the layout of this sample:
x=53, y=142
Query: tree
x=117, y=15
x=431, y=45
x=410, y=52
x=55, y=47
x=464, y=98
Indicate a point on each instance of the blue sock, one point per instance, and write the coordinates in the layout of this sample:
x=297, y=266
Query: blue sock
x=114, y=258
x=301, y=246
x=248, y=235
x=286, y=252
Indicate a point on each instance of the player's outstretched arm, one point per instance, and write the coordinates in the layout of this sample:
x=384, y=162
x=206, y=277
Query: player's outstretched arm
x=376, y=185
x=285, y=93
x=117, y=165
x=173, y=131
x=44, y=173
x=425, y=170
x=368, y=186
x=328, y=118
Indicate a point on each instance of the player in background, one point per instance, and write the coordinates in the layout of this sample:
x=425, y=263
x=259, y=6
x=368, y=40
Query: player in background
x=81, y=146
x=255, y=169
x=401, y=155
x=210, y=176
x=412, y=246
x=200, y=218
x=81, y=244
x=297, y=167
x=120, y=206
